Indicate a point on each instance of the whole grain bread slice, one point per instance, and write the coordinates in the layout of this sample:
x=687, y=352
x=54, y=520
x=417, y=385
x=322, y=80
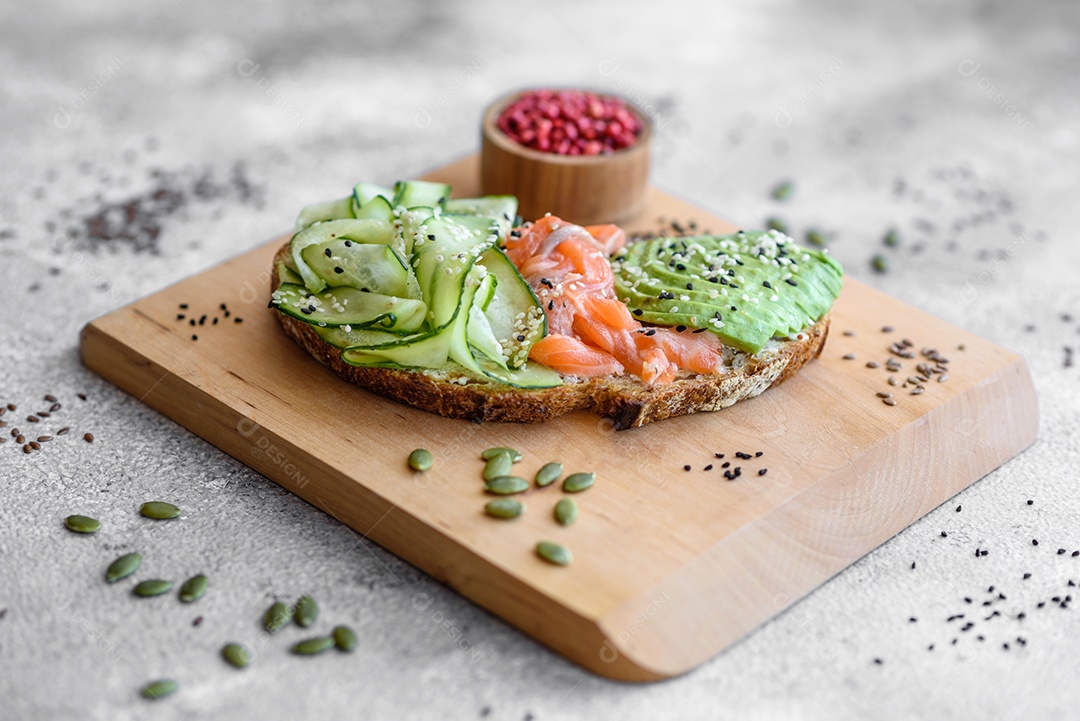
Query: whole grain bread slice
x=625, y=400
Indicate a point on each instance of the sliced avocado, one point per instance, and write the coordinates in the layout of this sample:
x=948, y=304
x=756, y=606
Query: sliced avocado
x=746, y=287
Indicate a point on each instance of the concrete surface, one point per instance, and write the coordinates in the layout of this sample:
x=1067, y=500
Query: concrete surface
x=143, y=141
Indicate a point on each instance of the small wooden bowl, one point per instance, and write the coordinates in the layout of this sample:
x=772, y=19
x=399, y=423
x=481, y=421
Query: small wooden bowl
x=583, y=189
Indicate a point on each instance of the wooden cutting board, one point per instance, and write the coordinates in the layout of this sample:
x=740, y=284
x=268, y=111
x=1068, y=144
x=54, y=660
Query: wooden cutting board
x=670, y=566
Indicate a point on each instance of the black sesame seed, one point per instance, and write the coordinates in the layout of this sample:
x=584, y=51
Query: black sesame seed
x=1034, y=541
x=959, y=508
x=709, y=467
x=719, y=455
x=789, y=281
x=650, y=332
x=180, y=316
x=191, y=322
x=183, y=306
x=726, y=464
x=194, y=337
x=1027, y=576
x=327, y=253
x=680, y=328
x=348, y=243
x=759, y=454
x=1060, y=551
x=1030, y=502
x=338, y=269
x=686, y=468
x=763, y=471
x=637, y=311
x=767, y=284
x=944, y=535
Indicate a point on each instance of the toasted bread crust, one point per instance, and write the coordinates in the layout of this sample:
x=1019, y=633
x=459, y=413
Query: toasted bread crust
x=625, y=400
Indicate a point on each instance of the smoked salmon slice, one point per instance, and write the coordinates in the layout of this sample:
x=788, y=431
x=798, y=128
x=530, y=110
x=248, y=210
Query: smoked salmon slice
x=590, y=331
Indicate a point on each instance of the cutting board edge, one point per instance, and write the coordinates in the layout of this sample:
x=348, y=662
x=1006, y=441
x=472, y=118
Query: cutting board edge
x=644, y=606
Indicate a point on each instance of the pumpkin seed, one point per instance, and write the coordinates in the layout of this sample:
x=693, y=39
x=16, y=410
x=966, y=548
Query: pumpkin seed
x=421, y=459
x=82, y=524
x=577, y=482
x=566, y=511
x=159, y=510
x=123, y=567
x=783, y=190
x=506, y=485
x=159, y=689
x=777, y=224
x=548, y=474
x=154, y=587
x=194, y=588
x=555, y=553
x=515, y=454
x=236, y=655
x=305, y=611
x=499, y=466
x=312, y=646
x=276, y=617
x=505, y=508
x=344, y=638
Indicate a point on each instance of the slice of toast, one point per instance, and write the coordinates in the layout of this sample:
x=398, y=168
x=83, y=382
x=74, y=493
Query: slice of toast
x=625, y=400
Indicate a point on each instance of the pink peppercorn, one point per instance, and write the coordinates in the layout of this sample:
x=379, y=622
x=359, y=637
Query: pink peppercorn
x=570, y=122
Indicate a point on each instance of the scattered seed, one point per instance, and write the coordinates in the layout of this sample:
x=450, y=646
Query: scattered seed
x=943, y=378
x=50, y=398
x=82, y=524
x=312, y=646
x=498, y=466
x=577, y=482
x=344, y=638
x=887, y=329
x=849, y=356
x=20, y=438
x=892, y=238
x=776, y=224
x=504, y=508
x=276, y=617
x=123, y=567
x=554, y=553
x=159, y=510
x=884, y=394
x=32, y=419
x=194, y=588
x=515, y=455
x=63, y=431
x=159, y=689
x=305, y=612
x=44, y=439
x=506, y=485
x=236, y=655
x=27, y=448
x=783, y=190
x=548, y=474
x=880, y=264
x=153, y=587
x=888, y=401
x=873, y=364
x=89, y=438
x=566, y=511
x=762, y=471
x=421, y=459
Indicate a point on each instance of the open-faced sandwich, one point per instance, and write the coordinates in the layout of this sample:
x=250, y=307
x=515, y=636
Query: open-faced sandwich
x=451, y=306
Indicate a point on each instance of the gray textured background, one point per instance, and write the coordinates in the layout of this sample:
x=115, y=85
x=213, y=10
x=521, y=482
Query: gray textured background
x=954, y=122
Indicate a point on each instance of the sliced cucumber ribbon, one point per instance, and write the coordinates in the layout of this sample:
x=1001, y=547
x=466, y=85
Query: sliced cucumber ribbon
x=407, y=277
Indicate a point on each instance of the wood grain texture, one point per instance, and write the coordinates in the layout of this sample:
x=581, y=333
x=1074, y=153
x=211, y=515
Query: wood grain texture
x=670, y=566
